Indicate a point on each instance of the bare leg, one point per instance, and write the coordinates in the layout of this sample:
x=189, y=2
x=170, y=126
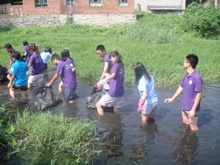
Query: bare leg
x=144, y=119
x=116, y=110
x=12, y=93
x=29, y=85
x=99, y=109
x=193, y=123
x=39, y=84
x=60, y=87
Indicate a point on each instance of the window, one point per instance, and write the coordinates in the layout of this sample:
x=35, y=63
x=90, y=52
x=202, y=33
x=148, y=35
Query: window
x=69, y=2
x=95, y=2
x=3, y=9
x=40, y=3
x=123, y=2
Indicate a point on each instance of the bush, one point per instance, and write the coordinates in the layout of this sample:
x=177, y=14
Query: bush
x=205, y=21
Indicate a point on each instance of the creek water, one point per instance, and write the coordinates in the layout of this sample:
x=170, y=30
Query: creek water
x=162, y=142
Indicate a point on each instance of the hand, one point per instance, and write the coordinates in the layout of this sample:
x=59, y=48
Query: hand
x=168, y=100
x=48, y=85
x=141, y=105
x=102, y=82
x=191, y=114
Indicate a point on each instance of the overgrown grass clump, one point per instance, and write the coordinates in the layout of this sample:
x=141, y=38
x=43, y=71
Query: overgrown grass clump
x=45, y=137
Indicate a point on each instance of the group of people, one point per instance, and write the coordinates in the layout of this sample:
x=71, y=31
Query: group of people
x=112, y=74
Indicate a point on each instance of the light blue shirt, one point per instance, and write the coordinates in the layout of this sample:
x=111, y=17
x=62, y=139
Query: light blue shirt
x=148, y=86
x=45, y=56
x=19, y=69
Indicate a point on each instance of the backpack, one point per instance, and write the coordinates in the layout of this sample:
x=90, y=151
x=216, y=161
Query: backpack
x=3, y=74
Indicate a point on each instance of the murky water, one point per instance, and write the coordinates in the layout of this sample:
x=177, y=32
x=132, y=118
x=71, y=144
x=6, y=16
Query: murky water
x=163, y=142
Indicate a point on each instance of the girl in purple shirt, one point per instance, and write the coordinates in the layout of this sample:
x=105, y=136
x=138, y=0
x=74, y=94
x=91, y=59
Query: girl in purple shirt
x=36, y=64
x=114, y=98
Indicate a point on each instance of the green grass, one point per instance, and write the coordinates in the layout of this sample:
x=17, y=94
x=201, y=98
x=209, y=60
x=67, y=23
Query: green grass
x=159, y=41
x=44, y=137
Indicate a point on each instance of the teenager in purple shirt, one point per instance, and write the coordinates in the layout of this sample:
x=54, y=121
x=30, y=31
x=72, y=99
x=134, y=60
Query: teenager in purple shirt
x=25, y=51
x=101, y=52
x=191, y=89
x=10, y=50
x=114, y=97
x=36, y=64
x=66, y=70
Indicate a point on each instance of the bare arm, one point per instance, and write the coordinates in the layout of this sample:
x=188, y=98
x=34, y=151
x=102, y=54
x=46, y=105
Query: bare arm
x=52, y=80
x=105, y=70
x=177, y=93
x=196, y=102
x=11, y=79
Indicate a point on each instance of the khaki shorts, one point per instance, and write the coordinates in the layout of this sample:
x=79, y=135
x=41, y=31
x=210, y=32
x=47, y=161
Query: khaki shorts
x=108, y=101
x=35, y=78
x=187, y=113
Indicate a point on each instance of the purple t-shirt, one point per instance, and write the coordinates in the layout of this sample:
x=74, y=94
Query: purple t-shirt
x=37, y=64
x=107, y=59
x=191, y=84
x=25, y=50
x=10, y=54
x=64, y=69
x=116, y=88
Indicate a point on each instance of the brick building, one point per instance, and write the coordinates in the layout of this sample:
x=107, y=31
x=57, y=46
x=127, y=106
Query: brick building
x=31, y=13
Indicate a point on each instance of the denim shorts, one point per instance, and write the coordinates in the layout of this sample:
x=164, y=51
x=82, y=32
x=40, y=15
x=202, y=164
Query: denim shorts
x=69, y=93
x=149, y=108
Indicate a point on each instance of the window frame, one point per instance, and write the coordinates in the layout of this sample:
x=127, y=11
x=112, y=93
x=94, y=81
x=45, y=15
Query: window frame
x=93, y=3
x=70, y=3
x=41, y=3
x=122, y=3
x=3, y=9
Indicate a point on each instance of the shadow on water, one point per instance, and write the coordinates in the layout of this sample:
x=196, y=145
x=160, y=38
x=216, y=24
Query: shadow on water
x=164, y=141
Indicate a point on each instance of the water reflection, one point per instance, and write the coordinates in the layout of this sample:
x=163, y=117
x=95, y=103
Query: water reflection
x=185, y=152
x=164, y=141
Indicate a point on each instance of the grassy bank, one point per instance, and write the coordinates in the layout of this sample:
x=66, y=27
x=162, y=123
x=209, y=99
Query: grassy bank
x=159, y=41
x=43, y=138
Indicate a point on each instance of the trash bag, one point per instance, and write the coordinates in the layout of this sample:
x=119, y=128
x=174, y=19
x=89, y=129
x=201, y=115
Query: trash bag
x=95, y=96
x=46, y=99
x=3, y=74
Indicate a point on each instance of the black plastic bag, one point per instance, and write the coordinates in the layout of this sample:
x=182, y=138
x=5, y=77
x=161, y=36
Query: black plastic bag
x=3, y=74
x=46, y=99
x=94, y=97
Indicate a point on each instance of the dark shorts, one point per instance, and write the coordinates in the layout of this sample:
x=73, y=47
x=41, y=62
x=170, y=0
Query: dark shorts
x=45, y=67
x=22, y=88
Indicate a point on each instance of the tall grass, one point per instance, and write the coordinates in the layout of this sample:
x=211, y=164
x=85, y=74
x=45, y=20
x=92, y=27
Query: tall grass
x=159, y=41
x=45, y=137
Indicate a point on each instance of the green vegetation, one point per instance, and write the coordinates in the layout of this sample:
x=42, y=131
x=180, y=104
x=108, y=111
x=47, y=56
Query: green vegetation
x=205, y=21
x=43, y=137
x=161, y=42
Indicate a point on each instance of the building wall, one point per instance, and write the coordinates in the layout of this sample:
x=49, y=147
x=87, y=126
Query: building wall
x=163, y=3
x=56, y=13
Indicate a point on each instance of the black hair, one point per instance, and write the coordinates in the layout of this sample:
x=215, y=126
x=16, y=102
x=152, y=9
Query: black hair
x=100, y=47
x=55, y=56
x=117, y=55
x=48, y=50
x=25, y=43
x=140, y=70
x=8, y=46
x=17, y=56
x=33, y=47
x=192, y=59
x=65, y=54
